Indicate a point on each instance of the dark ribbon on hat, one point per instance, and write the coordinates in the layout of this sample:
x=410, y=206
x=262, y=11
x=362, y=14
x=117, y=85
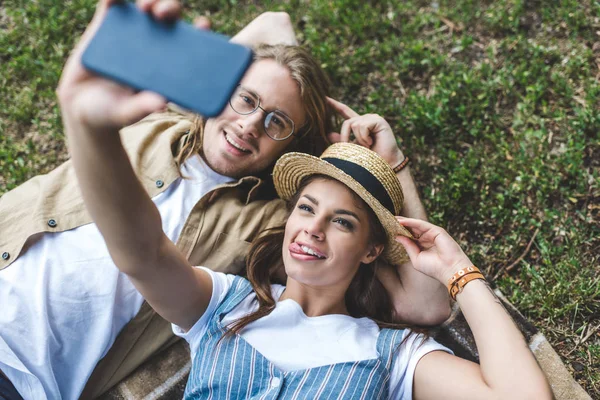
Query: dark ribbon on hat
x=366, y=179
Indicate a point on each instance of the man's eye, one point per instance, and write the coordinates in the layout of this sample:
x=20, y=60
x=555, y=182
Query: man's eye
x=345, y=223
x=276, y=120
x=248, y=99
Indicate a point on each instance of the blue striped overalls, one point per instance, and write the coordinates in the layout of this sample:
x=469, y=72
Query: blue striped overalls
x=233, y=369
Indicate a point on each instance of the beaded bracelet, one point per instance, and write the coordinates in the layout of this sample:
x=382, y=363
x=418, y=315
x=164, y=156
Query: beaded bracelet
x=460, y=278
x=401, y=165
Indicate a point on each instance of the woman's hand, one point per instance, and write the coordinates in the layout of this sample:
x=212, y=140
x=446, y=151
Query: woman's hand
x=507, y=368
x=98, y=103
x=370, y=130
x=433, y=251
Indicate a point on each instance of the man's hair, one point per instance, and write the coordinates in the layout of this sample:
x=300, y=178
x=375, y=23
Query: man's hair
x=314, y=86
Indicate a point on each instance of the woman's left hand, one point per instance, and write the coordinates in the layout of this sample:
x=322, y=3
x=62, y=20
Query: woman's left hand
x=370, y=130
x=432, y=251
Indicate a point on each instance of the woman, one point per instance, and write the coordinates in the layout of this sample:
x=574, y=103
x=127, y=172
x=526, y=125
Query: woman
x=321, y=334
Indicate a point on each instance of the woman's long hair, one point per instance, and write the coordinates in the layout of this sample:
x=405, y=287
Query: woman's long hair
x=366, y=296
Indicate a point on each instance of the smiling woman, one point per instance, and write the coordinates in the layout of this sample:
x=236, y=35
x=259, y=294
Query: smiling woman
x=332, y=321
x=332, y=237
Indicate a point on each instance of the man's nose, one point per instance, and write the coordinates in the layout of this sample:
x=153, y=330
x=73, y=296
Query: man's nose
x=253, y=124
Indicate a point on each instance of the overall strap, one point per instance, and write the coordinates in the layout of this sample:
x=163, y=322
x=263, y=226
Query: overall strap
x=388, y=343
x=239, y=290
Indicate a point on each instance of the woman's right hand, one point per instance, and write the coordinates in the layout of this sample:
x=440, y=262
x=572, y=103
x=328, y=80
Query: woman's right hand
x=98, y=103
x=433, y=251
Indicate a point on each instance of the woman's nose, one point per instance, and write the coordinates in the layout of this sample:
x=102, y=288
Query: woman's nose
x=315, y=229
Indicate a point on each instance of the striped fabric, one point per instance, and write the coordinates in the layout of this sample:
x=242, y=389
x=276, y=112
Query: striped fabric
x=232, y=369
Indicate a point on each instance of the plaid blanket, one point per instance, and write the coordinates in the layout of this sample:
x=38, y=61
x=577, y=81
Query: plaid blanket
x=164, y=376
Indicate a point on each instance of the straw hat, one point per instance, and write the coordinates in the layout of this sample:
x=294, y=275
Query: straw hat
x=364, y=172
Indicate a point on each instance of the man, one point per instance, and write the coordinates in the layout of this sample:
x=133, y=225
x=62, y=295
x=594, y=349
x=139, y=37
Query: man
x=67, y=311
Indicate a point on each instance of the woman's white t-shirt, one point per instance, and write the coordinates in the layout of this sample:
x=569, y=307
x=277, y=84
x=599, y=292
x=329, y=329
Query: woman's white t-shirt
x=292, y=341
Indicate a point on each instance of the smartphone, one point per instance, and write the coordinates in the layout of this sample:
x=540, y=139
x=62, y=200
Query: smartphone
x=197, y=70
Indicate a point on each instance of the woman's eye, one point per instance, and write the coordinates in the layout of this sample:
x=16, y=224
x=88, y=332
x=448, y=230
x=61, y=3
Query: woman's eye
x=345, y=223
x=305, y=207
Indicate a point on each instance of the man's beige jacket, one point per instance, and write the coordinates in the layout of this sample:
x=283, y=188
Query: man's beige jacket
x=217, y=233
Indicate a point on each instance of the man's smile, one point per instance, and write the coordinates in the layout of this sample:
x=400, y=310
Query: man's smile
x=237, y=143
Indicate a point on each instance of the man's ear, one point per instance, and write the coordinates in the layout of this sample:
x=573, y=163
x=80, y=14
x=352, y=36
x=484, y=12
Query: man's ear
x=373, y=254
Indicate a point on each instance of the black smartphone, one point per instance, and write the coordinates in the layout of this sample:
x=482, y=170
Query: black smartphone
x=197, y=70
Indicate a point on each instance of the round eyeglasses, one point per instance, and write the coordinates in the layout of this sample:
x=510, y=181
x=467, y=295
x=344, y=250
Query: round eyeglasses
x=278, y=126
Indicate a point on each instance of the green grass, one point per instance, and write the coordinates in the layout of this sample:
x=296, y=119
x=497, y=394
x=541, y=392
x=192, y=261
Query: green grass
x=496, y=102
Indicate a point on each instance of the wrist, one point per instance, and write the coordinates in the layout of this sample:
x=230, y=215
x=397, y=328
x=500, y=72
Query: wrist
x=401, y=166
x=76, y=124
x=396, y=158
x=470, y=286
x=448, y=273
x=463, y=277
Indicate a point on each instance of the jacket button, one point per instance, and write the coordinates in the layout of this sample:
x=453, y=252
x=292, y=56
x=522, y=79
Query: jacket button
x=5, y=255
x=52, y=223
x=159, y=184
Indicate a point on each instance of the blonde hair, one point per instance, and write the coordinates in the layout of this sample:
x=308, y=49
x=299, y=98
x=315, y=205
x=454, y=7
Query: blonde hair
x=314, y=87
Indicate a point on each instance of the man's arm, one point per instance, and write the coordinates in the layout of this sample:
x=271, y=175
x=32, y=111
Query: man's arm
x=268, y=28
x=418, y=299
x=271, y=27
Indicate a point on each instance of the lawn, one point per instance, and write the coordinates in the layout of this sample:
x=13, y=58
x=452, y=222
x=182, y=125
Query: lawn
x=496, y=102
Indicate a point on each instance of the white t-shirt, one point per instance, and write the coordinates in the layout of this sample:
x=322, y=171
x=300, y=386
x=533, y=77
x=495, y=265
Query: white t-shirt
x=291, y=340
x=63, y=302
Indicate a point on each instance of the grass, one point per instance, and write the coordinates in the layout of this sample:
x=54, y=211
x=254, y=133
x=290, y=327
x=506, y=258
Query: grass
x=496, y=102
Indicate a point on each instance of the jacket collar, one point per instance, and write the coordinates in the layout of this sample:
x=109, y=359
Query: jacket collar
x=159, y=164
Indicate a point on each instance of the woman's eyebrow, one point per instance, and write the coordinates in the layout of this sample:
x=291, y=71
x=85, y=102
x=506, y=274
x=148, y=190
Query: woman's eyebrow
x=347, y=212
x=338, y=211
x=312, y=199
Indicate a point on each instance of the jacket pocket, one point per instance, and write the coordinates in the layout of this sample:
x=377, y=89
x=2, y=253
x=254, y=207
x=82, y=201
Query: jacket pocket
x=228, y=254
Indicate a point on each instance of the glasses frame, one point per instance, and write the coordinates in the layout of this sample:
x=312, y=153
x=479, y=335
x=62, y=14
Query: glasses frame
x=266, y=113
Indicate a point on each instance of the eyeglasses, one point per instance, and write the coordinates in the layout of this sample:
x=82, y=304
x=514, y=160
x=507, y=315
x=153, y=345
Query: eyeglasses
x=278, y=126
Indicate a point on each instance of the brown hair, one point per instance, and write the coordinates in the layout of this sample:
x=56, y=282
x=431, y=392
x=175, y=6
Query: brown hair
x=314, y=86
x=366, y=296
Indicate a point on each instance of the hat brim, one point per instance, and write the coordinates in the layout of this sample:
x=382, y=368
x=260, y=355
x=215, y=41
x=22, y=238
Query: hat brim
x=291, y=168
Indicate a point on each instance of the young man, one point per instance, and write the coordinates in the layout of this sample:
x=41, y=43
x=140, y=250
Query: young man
x=66, y=306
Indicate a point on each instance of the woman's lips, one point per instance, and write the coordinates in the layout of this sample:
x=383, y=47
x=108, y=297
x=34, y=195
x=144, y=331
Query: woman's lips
x=304, y=252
